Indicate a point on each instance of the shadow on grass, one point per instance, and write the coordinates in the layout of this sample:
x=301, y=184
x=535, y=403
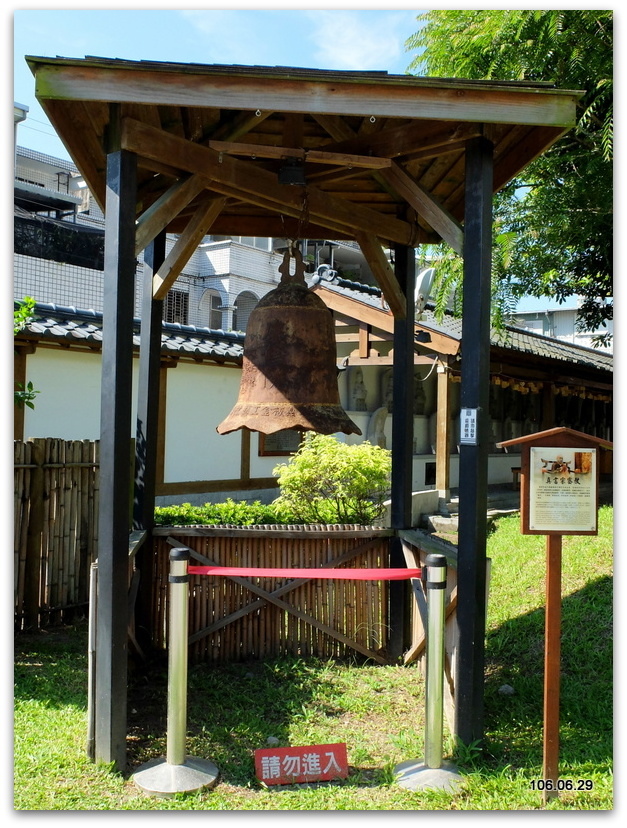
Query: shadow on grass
x=232, y=710
x=515, y=658
x=50, y=666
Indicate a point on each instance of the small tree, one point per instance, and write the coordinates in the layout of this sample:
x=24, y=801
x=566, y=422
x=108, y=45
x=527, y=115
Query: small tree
x=331, y=482
x=21, y=315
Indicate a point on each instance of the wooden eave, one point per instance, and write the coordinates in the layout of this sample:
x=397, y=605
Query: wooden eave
x=383, y=155
x=521, y=365
x=348, y=309
x=560, y=432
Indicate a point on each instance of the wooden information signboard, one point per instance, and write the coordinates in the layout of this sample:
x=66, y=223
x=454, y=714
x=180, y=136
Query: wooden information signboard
x=559, y=496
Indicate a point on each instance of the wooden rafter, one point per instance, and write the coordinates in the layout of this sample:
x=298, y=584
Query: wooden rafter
x=403, y=141
x=243, y=179
x=185, y=245
x=425, y=205
x=406, y=140
x=157, y=217
x=383, y=273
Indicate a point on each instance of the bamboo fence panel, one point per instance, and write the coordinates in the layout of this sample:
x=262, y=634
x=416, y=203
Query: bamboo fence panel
x=229, y=622
x=55, y=529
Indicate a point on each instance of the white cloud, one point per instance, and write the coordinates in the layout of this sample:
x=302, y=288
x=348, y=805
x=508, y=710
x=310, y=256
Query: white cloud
x=325, y=39
x=227, y=36
x=361, y=40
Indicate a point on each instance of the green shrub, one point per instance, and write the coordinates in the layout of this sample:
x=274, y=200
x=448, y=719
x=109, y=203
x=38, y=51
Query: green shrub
x=331, y=482
x=325, y=482
x=230, y=512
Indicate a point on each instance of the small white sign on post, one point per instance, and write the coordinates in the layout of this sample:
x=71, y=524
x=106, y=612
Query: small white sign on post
x=468, y=426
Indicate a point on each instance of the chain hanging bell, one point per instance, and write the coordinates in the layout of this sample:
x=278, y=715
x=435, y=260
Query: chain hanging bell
x=289, y=371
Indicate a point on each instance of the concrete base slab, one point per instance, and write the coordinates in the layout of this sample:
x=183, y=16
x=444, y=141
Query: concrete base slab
x=159, y=778
x=416, y=776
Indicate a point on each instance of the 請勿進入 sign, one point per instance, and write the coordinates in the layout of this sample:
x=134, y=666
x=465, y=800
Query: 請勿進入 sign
x=291, y=765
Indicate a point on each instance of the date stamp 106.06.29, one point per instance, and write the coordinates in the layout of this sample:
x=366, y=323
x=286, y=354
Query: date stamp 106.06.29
x=562, y=785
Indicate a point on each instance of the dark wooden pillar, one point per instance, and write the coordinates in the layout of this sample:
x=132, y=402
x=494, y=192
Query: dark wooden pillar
x=402, y=441
x=148, y=391
x=473, y=462
x=146, y=434
x=110, y=696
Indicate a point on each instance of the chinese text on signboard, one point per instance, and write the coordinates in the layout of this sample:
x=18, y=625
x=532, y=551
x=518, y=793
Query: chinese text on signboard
x=468, y=426
x=562, y=491
x=315, y=763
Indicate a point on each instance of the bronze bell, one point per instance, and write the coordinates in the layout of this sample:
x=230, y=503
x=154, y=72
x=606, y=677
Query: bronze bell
x=289, y=372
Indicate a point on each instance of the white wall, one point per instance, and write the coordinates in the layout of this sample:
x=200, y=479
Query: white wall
x=68, y=403
x=199, y=398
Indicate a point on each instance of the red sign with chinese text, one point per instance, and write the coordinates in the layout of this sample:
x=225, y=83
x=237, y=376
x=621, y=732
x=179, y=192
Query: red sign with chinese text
x=291, y=765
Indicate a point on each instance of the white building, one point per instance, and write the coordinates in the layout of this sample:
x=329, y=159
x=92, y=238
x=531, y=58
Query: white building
x=549, y=317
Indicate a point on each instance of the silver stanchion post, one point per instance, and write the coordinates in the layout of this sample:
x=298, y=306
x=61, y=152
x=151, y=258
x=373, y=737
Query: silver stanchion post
x=434, y=689
x=432, y=772
x=178, y=618
x=177, y=773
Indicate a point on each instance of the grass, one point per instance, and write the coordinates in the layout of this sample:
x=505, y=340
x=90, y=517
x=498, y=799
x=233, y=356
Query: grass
x=378, y=711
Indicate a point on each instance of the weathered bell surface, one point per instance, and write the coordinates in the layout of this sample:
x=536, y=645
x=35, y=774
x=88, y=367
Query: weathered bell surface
x=289, y=372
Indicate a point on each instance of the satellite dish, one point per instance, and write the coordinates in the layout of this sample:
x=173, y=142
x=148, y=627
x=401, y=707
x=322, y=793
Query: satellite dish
x=423, y=289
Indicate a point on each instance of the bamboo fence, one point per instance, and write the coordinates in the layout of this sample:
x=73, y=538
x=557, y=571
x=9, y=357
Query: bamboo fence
x=55, y=529
x=229, y=621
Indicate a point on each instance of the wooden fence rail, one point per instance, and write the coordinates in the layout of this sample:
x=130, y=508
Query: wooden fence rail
x=233, y=619
x=55, y=528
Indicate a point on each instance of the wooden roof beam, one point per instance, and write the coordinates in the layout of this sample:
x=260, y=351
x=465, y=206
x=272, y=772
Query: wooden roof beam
x=309, y=156
x=185, y=246
x=383, y=273
x=242, y=179
x=157, y=217
x=425, y=205
x=77, y=79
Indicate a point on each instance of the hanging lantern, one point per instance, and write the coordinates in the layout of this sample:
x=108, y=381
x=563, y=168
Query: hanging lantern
x=289, y=371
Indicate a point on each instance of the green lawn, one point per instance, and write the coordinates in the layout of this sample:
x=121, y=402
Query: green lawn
x=378, y=711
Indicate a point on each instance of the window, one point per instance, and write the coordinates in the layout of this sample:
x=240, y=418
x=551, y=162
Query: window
x=176, y=307
x=244, y=305
x=210, y=309
x=261, y=242
x=280, y=443
x=215, y=312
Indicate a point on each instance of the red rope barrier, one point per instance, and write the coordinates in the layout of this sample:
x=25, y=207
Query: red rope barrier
x=342, y=574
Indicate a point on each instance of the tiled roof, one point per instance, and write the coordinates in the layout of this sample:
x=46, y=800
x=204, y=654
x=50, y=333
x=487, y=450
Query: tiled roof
x=51, y=321
x=511, y=338
x=57, y=322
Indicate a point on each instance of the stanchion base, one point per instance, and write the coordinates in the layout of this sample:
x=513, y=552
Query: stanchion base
x=159, y=778
x=416, y=776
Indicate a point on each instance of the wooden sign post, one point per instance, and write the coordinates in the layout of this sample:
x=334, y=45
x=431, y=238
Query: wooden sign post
x=559, y=496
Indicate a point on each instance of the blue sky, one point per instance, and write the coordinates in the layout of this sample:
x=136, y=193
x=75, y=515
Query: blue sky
x=359, y=39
